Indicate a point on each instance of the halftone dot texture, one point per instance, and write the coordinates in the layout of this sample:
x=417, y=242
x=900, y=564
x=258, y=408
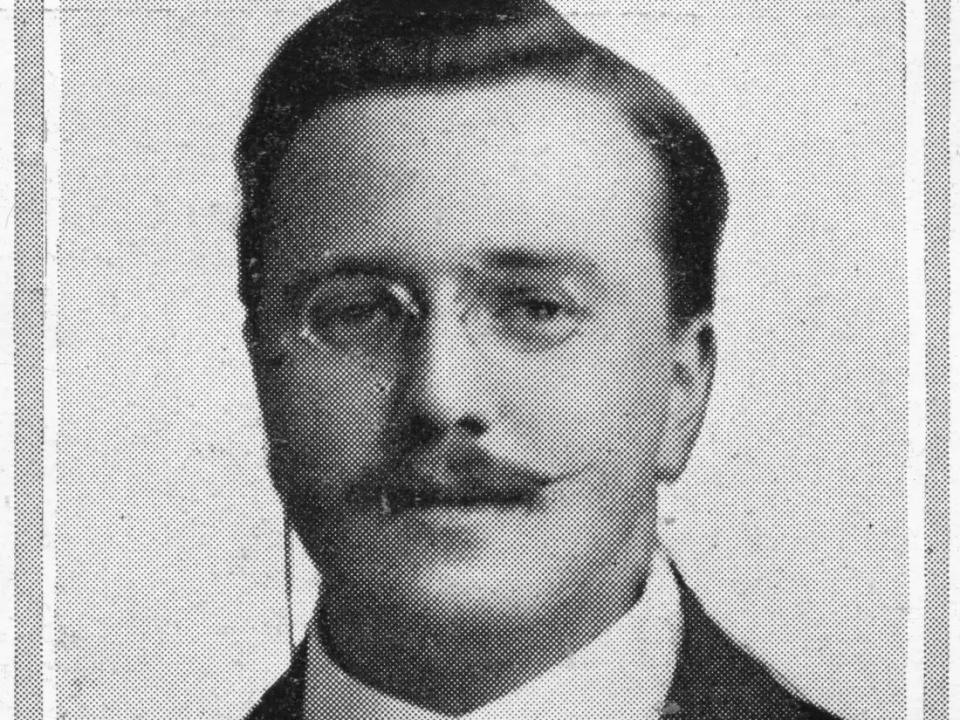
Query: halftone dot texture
x=28, y=371
x=936, y=64
x=789, y=521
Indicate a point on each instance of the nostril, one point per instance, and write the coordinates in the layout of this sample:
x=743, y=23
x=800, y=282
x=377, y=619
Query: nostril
x=422, y=430
x=472, y=424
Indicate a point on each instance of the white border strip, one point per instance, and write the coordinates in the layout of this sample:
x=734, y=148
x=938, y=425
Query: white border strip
x=916, y=298
x=52, y=77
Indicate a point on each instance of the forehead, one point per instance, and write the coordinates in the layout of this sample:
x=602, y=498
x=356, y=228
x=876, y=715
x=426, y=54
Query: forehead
x=525, y=164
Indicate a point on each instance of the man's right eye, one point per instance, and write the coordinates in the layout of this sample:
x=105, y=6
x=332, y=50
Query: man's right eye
x=359, y=313
x=356, y=320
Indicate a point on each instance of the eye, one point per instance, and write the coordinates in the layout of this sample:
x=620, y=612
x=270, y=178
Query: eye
x=533, y=320
x=539, y=309
x=522, y=308
x=380, y=309
x=357, y=315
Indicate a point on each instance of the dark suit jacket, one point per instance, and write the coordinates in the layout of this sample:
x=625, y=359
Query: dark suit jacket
x=714, y=680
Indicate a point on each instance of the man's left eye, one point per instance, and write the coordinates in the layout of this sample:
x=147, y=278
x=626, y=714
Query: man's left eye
x=534, y=322
x=540, y=309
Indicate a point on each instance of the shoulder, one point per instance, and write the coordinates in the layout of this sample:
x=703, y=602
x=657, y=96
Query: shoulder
x=718, y=680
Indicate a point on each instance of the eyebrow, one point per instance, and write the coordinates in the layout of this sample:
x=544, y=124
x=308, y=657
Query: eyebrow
x=520, y=259
x=506, y=261
x=346, y=265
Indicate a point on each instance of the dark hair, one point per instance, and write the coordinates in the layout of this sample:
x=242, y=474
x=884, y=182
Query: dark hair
x=355, y=47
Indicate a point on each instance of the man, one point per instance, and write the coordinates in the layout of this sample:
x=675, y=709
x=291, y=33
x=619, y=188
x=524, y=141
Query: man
x=477, y=253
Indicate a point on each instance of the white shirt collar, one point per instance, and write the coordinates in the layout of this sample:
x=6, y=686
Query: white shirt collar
x=624, y=673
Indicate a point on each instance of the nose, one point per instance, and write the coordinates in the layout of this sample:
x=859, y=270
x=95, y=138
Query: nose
x=443, y=391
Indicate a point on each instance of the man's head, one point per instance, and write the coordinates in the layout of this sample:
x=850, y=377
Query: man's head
x=477, y=253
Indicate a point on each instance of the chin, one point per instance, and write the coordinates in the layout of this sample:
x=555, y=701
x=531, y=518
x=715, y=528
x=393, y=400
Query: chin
x=477, y=592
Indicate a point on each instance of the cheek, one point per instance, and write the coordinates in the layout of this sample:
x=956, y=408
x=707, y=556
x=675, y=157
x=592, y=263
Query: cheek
x=606, y=402
x=329, y=415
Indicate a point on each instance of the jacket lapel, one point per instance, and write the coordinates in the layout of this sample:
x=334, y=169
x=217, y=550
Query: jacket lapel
x=717, y=680
x=284, y=699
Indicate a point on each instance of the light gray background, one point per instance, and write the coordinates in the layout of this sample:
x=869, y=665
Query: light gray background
x=790, y=522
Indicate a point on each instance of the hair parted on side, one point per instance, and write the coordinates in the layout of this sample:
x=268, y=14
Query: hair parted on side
x=356, y=47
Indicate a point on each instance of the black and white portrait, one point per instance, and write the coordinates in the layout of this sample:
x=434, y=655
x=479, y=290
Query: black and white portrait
x=482, y=359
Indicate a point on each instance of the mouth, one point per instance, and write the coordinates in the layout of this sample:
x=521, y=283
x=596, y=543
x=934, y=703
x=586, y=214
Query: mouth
x=399, y=500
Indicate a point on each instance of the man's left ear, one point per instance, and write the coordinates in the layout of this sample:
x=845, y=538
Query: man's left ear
x=694, y=361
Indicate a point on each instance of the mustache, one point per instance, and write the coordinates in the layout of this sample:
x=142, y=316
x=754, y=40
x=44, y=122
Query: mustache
x=463, y=476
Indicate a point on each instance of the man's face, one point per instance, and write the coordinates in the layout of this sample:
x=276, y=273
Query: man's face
x=464, y=355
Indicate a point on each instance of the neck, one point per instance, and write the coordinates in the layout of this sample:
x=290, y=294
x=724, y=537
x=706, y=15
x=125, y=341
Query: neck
x=455, y=665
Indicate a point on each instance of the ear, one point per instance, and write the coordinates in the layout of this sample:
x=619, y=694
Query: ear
x=693, y=369
x=261, y=361
x=251, y=338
